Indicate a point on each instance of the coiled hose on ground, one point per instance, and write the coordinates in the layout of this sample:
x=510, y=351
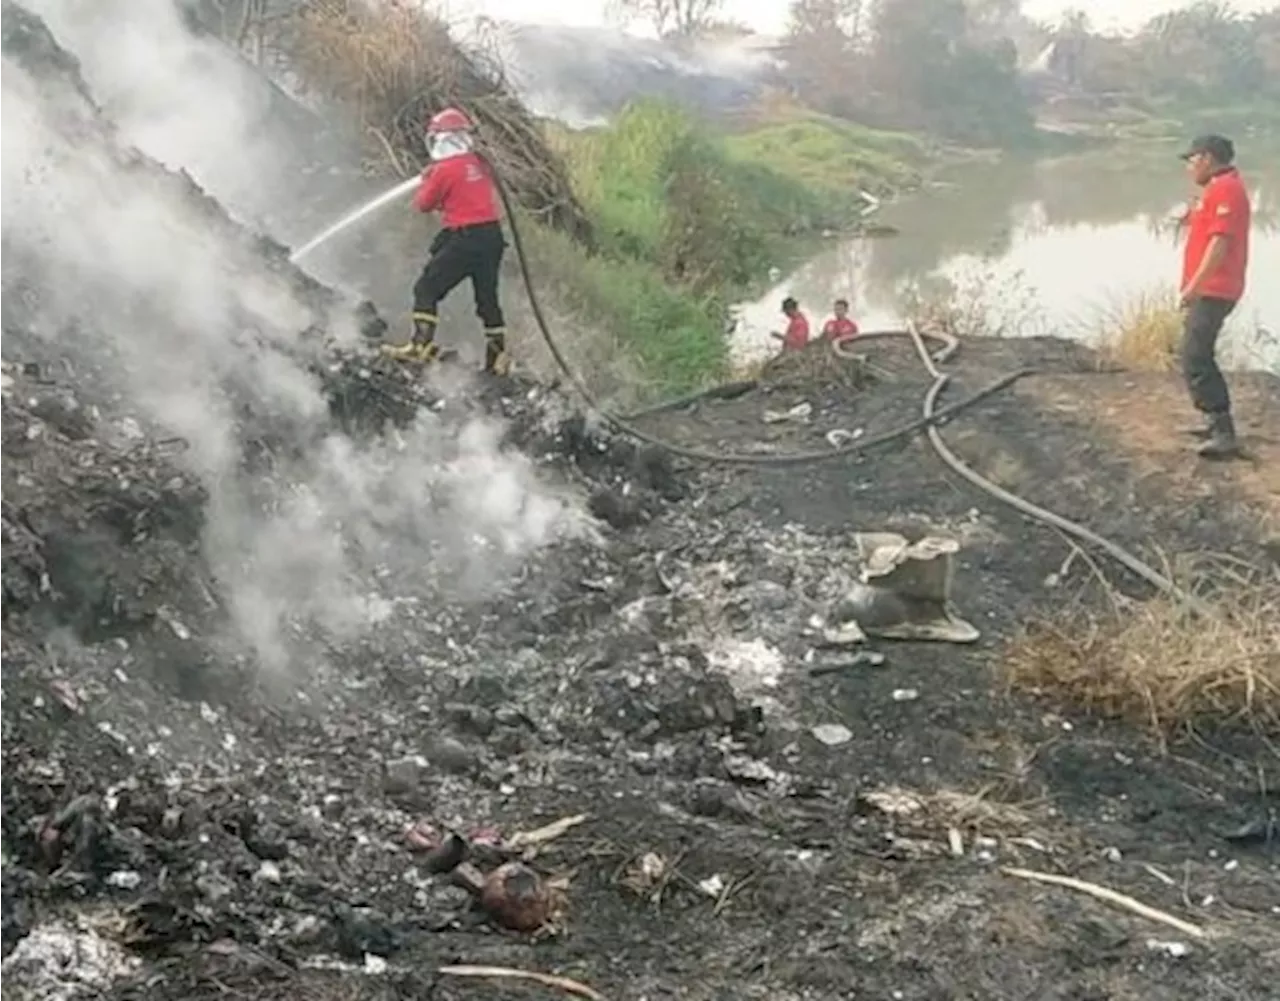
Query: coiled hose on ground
x=930, y=419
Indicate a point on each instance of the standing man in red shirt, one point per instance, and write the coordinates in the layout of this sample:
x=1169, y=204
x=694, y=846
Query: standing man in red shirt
x=460, y=186
x=1214, y=262
x=797, y=335
x=840, y=325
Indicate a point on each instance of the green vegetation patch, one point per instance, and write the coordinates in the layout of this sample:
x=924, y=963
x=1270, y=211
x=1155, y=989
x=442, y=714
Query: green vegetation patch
x=833, y=156
x=676, y=335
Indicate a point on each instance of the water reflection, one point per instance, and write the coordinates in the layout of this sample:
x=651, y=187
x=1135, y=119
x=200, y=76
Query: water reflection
x=1046, y=245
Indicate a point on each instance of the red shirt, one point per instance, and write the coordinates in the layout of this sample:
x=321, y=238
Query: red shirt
x=1223, y=210
x=797, y=335
x=838, y=327
x=461, y=189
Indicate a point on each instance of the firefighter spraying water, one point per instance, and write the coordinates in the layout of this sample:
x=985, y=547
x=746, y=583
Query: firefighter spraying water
x=461, y=187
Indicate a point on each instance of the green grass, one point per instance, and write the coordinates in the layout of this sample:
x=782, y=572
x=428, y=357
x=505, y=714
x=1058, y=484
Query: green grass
x=675, y=335
x=662, y=188
x=687, y=219
x=832, y=156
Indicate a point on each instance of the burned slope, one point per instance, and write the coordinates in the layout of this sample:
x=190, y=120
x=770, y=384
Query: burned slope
x=58, y=110
x=182, y=416
x=765, y=817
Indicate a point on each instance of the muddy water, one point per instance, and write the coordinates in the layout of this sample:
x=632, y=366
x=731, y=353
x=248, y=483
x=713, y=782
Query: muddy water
x=1049, y=247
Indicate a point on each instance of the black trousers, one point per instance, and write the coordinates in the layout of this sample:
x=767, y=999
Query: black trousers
x=1201, y=325
x=473, y=252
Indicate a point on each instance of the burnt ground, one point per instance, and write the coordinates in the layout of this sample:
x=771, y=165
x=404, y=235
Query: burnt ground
x=179, y=822
x=246, y=841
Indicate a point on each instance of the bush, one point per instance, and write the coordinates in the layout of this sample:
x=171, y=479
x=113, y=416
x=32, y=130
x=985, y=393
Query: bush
x=1142, y=331
x=675, y=336
x=661, y=189
x=1160, y=665
x=393, y=65
x=832, y=156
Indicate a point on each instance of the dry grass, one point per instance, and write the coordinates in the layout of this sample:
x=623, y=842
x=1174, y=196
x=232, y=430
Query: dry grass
x=1141, y=332
x=396, y=64
x=1159, y=664
x=816, y=365
x=979, y=300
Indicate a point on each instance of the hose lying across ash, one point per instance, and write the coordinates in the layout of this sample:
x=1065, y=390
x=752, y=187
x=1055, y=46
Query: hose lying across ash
x=930, y=419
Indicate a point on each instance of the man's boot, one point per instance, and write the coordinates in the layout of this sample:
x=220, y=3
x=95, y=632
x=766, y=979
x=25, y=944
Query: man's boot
x=496, y=359
x=1222, y=442
x=422, y=345
x=1203, y=431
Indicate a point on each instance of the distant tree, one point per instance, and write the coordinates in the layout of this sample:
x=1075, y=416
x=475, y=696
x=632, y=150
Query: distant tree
x=725, y=29
x=1202, y=50
x=822, y=52
x=929, y=70
x=682, y=18
x=993, y=20
x=1264, y=29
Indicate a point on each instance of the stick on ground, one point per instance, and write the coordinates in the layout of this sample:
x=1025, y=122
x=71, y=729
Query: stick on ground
x=508, y=973
x=1111, y=897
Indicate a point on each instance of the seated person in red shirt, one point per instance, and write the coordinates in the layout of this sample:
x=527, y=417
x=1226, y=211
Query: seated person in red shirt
x=797, y=335
x=841, y=325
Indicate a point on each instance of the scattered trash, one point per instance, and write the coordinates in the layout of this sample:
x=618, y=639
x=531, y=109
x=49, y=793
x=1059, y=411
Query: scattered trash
x=646, y=874
x=541, y=835
x=57, y=962
x=67, y=697
x=905, y=590
x=905, y=694
x=1174, y=950
x=894, y=801
x=747, y=769
x=1112, y=854
x=864, y=658
x=422, y=836
x=124, y=879
x=517, y=897
x=955, y=841
x=713, y=885
x=800, y=412
x=839, y=437
x=374, y=965
x=832, y=734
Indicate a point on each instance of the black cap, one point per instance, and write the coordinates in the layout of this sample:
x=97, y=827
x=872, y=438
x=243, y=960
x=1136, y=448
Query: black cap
x=1219, y=147
x=789, y=303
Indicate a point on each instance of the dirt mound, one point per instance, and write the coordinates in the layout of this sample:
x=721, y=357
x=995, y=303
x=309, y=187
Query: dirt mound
x=736, y=807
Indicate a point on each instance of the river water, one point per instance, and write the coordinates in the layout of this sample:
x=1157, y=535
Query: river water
x=1037, y=247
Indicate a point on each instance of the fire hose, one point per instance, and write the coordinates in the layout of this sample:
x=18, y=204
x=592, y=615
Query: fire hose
x=930, y=419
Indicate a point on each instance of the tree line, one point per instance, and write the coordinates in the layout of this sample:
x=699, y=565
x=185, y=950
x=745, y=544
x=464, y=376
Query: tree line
x=976, y=70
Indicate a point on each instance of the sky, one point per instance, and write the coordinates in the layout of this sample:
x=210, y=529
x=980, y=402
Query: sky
x=770, y=16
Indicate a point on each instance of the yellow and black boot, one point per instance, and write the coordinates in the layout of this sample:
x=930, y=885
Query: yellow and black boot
x=421, y=347
x=496, y=359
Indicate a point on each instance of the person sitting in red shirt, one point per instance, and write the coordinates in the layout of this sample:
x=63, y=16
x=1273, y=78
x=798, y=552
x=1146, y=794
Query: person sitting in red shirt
x=797, y=335
x=841, y=325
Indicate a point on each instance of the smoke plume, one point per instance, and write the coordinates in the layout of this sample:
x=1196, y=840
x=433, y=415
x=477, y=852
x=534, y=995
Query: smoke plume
x=157, y=299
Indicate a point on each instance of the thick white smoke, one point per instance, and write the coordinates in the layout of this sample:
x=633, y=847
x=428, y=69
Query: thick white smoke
x=138, y=283
x=185, y=101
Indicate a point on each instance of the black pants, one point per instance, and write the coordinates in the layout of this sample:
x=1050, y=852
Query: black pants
x=1201, y=325
x=473, y=252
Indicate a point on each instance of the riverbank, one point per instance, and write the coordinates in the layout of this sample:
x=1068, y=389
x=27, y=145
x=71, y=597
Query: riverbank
x=1083, y=121
x=689, y=219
